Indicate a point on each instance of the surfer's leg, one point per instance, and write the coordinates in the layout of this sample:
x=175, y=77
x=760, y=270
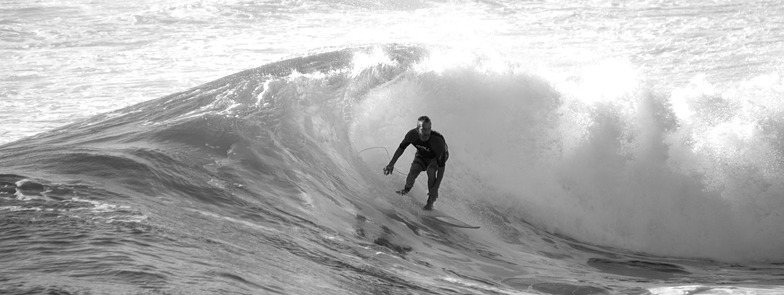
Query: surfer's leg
x=417, y=166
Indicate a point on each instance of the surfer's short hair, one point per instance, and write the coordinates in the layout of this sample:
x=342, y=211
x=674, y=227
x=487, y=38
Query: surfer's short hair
x=424, y=119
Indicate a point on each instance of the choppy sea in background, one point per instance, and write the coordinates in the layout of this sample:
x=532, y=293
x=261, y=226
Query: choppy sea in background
x=236, y=147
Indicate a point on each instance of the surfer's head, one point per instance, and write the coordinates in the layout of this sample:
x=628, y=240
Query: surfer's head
x=423, y=128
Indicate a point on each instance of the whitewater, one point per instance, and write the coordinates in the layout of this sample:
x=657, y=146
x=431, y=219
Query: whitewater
x=237, y=147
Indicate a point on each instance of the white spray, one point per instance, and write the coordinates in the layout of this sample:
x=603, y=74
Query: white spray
x=598, y=157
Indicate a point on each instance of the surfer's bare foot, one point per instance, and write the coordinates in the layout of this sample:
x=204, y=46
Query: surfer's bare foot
x=430, y=200
x=403, y=191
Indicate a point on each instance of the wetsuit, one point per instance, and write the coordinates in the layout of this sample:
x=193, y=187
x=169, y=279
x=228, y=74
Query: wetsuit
x=431, y=155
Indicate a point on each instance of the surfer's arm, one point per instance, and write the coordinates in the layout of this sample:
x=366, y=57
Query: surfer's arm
x=439, y=177
x=391, y=166
x=408, y=139
x=441, y=160
x=398, y=153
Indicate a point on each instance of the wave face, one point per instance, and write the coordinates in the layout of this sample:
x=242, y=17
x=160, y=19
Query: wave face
x=601, y=157
x=275, y=173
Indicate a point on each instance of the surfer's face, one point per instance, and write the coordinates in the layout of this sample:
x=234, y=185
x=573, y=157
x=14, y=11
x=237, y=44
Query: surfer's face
x=424, y=130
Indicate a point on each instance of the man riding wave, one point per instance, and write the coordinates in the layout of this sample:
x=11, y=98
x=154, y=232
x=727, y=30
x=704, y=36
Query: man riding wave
x=431, y=156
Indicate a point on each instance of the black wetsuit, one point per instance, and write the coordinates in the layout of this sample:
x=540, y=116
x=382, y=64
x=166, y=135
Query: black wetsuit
x=431, y=156
x=434, y=148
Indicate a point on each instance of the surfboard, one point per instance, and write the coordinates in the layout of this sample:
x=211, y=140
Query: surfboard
x=442, y=218
x=450, y=221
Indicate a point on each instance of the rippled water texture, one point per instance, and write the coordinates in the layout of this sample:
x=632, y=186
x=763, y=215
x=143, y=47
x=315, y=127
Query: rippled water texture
x=236, y=146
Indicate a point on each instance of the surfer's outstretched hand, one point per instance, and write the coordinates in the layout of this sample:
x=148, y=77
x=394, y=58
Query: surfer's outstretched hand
x=388, y=169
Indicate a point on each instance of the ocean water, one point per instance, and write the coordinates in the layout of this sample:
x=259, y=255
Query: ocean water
x=236, y=147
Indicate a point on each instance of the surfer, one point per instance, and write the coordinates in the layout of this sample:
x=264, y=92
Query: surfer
x=432, y=153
